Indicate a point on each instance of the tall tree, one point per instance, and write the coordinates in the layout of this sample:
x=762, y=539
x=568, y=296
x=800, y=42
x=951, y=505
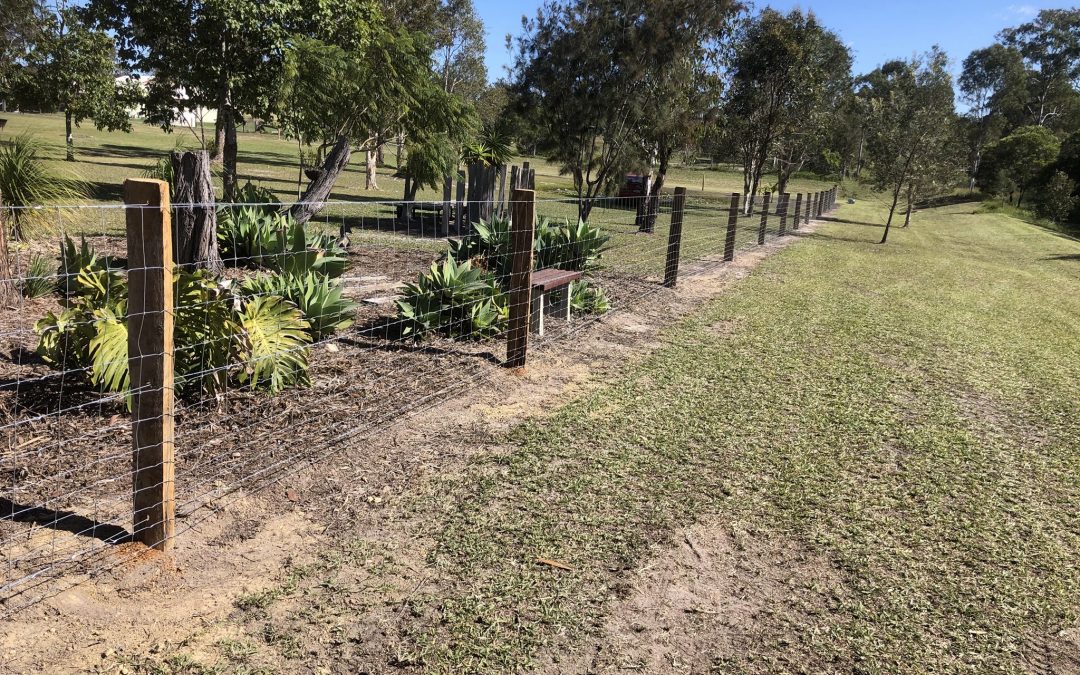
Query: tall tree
x=342, y=96
x=1050, y=47
x=603, y=84
x=993, y=84
x=459, y=49
x=72, y=68
x=20, y=23
x=207, y=54
x=788, y=74
x=912, y=108
x=1023, y=156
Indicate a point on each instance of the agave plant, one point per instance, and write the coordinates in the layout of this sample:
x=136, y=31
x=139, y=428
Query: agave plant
x=487, y=246
x=586, y=298
x=273, y=240
x=454, y=299
x=320, y=298
x=82, y=272
x=26, y=179
x=566, y=246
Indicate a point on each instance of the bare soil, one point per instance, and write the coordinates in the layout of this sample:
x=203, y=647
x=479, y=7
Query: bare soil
x=267, y=485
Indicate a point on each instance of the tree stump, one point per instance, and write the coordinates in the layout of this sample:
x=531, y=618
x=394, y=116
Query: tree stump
x=195, y=242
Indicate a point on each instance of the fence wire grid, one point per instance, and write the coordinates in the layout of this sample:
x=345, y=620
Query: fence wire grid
x=309, y=337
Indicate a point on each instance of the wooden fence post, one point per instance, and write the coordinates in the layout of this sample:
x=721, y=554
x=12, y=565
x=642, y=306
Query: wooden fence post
x=150, y=360
x=782, y=209
x=806, y=211
x=447, y=193
x=522, y=224
x=798, y=208
x=674, y=242
x=732, y=228
x=459, y=211
x=764, y=218
x=502, y=191
x=818, y=205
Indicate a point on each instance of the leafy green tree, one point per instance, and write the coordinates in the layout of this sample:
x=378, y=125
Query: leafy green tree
x=351, y=95
x=20, y=23
x=1057, y=198
x=789, y=74
x=603, y=86
x=212, y=54
x=1024, y=155
x=72, y=68
x=1050, y=48
x=993, y=84
x=459, y=49
x=911, y=104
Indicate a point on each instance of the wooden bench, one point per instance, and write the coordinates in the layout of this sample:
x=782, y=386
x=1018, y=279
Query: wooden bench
x=557, y=283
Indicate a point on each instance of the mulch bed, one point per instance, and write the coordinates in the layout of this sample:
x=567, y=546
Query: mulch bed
x=65, y=458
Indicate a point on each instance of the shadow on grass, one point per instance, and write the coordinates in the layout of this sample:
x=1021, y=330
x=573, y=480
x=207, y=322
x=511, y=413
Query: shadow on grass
x=833, y=219
x=1064, y=256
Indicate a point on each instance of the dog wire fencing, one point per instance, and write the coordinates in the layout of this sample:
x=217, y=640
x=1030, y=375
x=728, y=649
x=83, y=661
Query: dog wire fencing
x=141, y=391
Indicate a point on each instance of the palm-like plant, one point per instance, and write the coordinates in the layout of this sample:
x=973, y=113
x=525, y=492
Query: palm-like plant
x=457, y=300
x=26, y=179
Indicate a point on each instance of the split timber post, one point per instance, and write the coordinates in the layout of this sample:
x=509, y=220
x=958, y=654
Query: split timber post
x=732, y=228
x=522, y=225
x=150, y=360
x=782, y=210
x=798, y=208
x=459, y=210
x=762, y=228
x=674, y=242
x=501, y=210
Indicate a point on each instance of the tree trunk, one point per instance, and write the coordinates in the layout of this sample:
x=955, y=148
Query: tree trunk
x=9, y=292
x=400, y=147
x=653, y=206
x=70, y=141
x=372, y=182
x=219, y=126
x=228, y=174
x=892, y=210
x=481, y=194
x=195, y=242
x=319, y=189
x=910, y=204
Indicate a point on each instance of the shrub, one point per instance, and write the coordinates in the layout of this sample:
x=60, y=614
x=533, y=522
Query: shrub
x=1056, y=199
x=568, y=247
x=219, y=333
x=588, y=299
x=26, y=179
x=454, y=299
x=320, y=298
x=40, y=279
x=256, y=237
x=488, y=247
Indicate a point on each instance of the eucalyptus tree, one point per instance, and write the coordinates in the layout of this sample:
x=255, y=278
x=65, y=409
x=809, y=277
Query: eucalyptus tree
x=72, y=68
x=993, y=84
x=459, y=49
x=912, y=110
x=1050, y=48
x=788, y=75
x=1023, y=156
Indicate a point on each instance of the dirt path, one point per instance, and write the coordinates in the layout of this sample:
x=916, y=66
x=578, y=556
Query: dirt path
x=251, y=548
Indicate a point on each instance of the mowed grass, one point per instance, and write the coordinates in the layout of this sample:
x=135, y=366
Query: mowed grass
x=106, y=159
x=908, y=412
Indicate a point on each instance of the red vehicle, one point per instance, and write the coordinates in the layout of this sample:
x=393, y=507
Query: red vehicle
x=633, y=186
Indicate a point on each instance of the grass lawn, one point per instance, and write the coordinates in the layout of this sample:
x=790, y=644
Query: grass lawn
x=105, y=159
x=907, y=414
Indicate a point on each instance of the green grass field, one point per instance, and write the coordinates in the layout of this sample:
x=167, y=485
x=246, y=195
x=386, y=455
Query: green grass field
x=907, y=414
x=105, y=159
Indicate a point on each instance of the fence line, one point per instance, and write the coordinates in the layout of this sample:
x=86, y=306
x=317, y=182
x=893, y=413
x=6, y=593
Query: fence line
x=69, y=500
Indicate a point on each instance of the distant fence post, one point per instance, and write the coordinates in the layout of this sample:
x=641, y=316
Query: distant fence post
x=762, y=228
x=798, y=209
x=674, y=242
x=732, y=227
x=782, y=209
x=522, y=224
x=150, y=360
x=818, y=210
x=806, y=211
x=459, y=211
x=447, y=193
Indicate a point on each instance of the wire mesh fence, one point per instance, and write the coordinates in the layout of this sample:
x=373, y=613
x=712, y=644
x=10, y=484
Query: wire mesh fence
x=310, y=335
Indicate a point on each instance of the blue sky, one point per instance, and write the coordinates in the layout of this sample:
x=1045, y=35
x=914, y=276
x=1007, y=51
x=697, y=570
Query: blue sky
x=875, y=30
